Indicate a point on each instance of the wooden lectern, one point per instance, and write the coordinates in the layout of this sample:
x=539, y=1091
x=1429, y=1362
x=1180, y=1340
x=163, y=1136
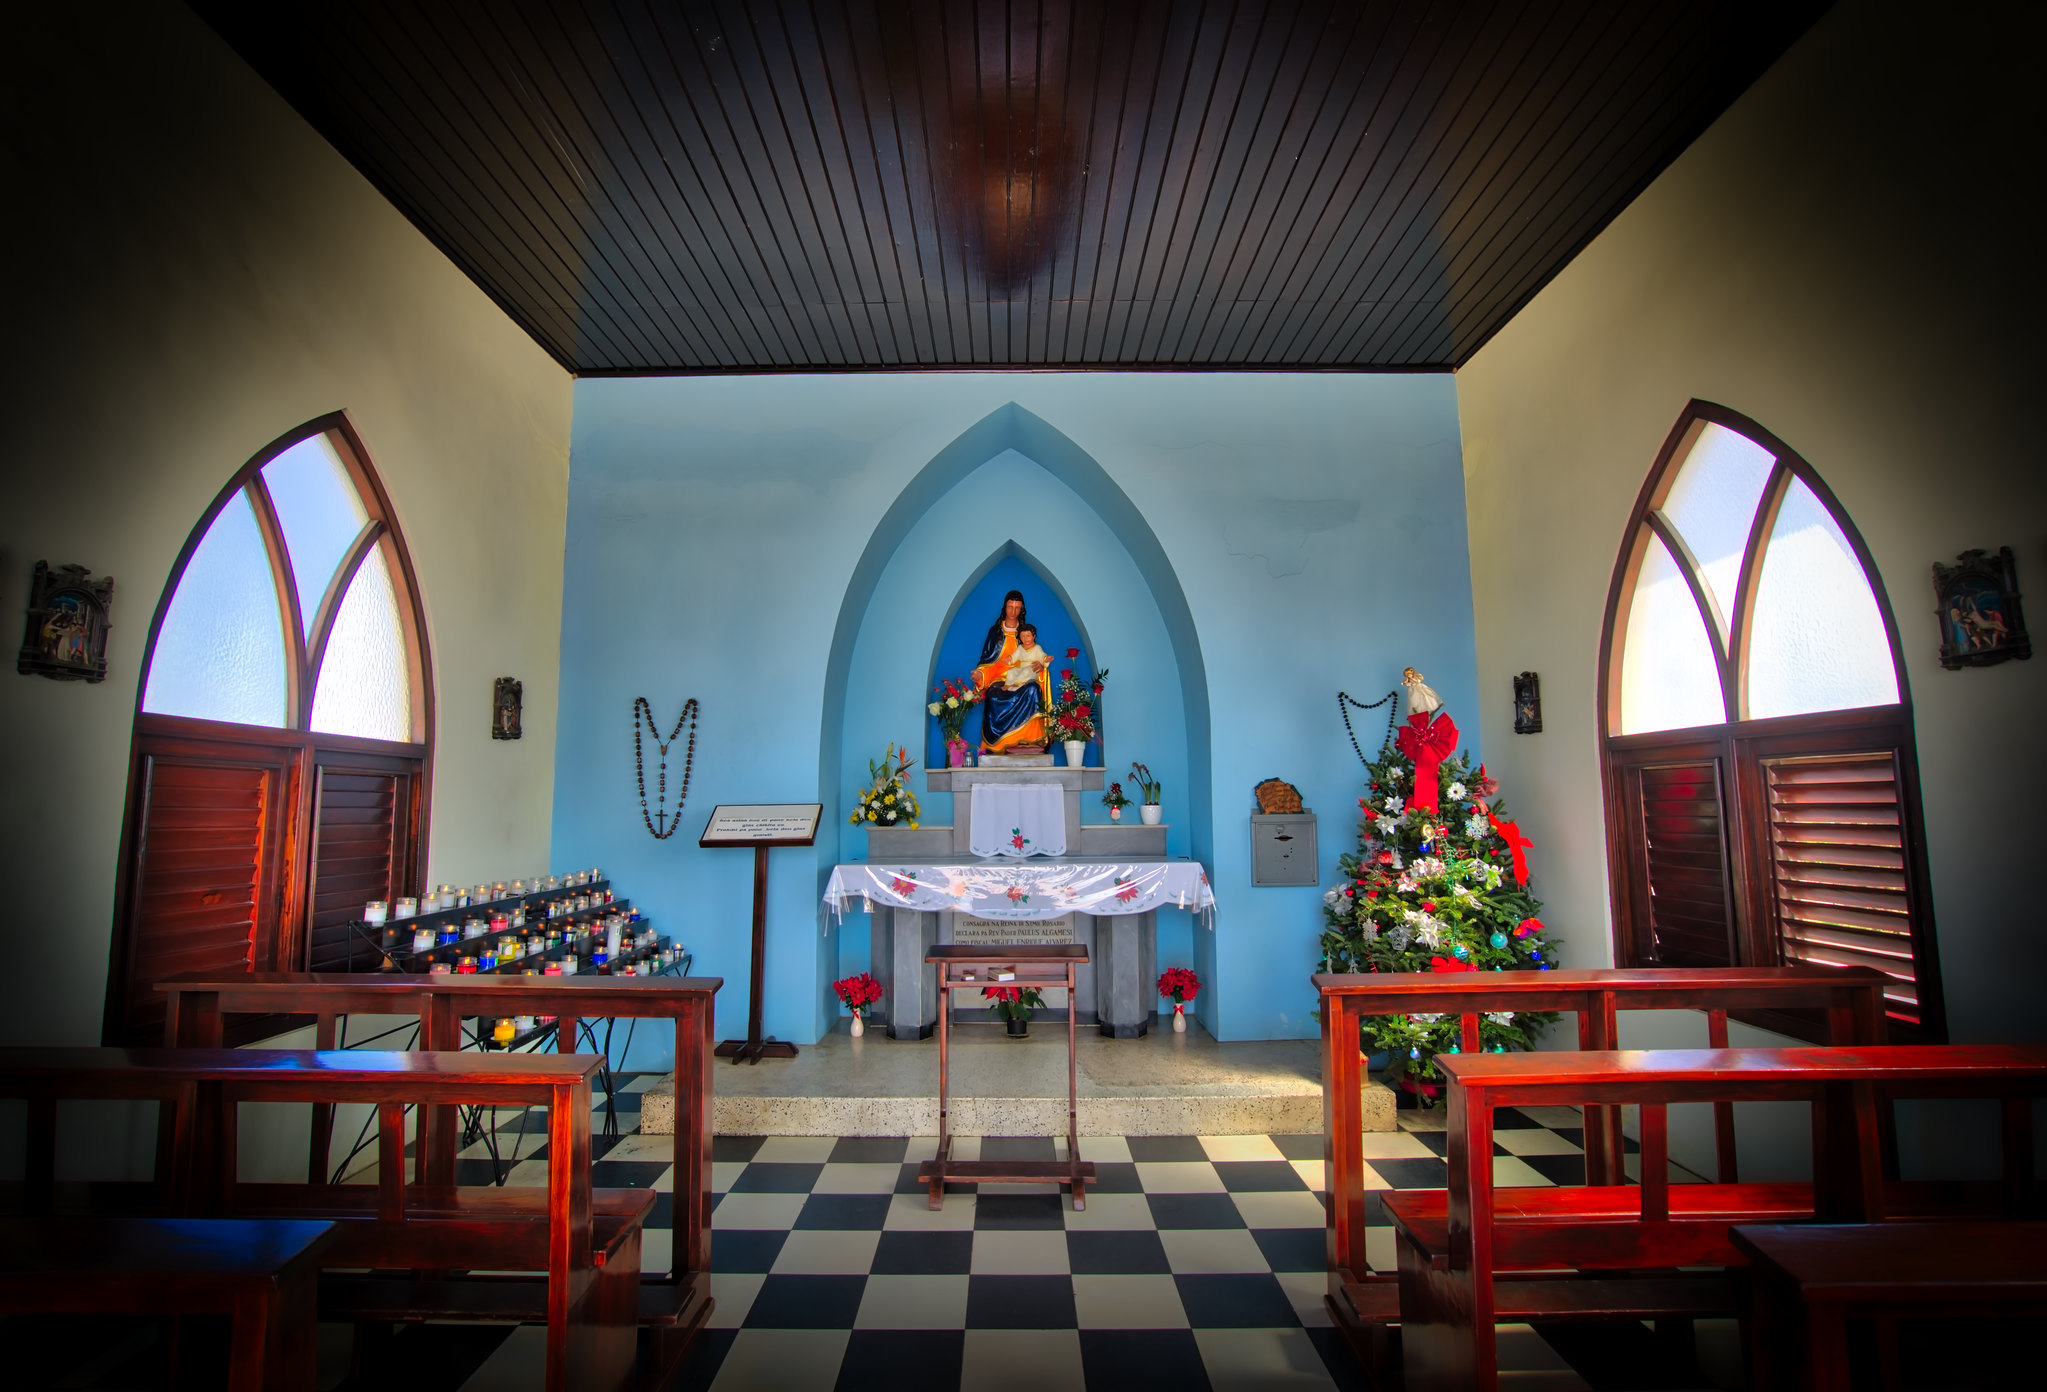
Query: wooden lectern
x=762, y=827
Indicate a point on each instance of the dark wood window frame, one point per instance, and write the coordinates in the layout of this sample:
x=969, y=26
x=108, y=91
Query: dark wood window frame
x=1741, y=750
x=283, y=934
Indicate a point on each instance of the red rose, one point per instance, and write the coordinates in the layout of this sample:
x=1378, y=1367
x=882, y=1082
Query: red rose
x=1428, y=906
x=1097, y=688
x=1066, y=674
x=1083, y=710
x=1072, y=653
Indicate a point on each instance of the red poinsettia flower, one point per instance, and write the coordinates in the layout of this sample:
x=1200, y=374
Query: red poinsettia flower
x=1449, y=964
x=1527, y=926
x=1002, y=993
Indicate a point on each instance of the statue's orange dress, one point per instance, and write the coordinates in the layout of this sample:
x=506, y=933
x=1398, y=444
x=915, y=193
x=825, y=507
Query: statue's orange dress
x=988, y=681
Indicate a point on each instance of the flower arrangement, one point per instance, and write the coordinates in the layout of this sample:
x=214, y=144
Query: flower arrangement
x=1114, y=799
x=887, y=800
x=1072, y=716
x=1140, y=774
x=858, y=992
x=955, y=699
x=1180, y=983
x=1014, y=1003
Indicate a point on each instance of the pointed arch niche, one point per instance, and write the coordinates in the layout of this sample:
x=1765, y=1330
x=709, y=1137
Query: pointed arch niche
x=1013, y=490
x=1762, y=782
x=282, y=731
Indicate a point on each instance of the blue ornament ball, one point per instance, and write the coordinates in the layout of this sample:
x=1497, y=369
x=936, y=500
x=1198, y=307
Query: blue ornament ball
x=1462, y=951
x=1499, y=940
x=1414, y=1053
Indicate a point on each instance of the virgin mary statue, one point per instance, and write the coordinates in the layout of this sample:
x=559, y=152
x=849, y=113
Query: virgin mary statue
x=1012, y=716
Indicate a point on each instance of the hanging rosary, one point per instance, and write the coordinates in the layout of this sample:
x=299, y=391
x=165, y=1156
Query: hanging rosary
x=657, y=818
x=1344, y=701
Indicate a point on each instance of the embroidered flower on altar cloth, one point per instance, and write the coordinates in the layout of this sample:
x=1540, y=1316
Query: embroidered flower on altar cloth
x=1394, y=802
x=1500, y=1017
x=1456, y=792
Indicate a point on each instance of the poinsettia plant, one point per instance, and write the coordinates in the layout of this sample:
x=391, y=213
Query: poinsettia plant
x=954, y=699
x=1074, y=705
x=1180, y=983
x=887, y=800
x=1435, y=888
x=1014, y=1002
x=1115, y=797
x=858, y=992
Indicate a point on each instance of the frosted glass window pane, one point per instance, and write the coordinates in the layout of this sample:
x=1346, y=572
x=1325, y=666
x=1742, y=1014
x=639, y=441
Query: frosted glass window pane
x=1669, y=680
x=220, y=652
x=365, y=686
x=320, y=513
x=1713, y=501
x=1818, y=642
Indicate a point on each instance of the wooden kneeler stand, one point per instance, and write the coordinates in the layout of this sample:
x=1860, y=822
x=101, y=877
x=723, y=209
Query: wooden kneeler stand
x=761, y=827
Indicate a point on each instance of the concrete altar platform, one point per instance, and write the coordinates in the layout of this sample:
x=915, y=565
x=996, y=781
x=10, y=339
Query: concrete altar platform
x=1165, y=1084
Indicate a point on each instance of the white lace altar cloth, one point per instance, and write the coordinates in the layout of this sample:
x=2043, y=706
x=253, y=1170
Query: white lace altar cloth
x=1017, y=820
x=1026, y=889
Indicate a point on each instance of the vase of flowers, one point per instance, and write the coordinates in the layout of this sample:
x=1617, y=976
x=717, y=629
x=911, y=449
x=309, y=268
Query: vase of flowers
x=1072, y=719
x=858, y=992
x=887, y=800
x=954, y=699
x=1182, y=985
x=1152, y=813
x=1116, y=801
x=1014, y=1006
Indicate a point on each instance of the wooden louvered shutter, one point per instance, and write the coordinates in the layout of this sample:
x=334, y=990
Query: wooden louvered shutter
x=1839, y=872
x=210, y=836
x=362, y=835
x=1678, y=829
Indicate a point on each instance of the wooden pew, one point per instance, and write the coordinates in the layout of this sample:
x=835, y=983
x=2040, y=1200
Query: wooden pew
x=1450, y=1297
x=1364, y=1305
x=262, y=1275
x=589, y=1297
x=677, y=1301
x=1808, y=1281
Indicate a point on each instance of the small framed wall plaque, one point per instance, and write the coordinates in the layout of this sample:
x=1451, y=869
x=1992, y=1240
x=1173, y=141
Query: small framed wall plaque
x=1981, y=623
x=506, y=697
x=68, y=619
x=1527, y=704
x=762, y=824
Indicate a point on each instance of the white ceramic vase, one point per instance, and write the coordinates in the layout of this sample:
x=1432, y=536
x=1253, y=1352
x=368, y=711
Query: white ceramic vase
x=1179, y=1018
x=1152, y=813
x=859, y=1025
x=1076, y=753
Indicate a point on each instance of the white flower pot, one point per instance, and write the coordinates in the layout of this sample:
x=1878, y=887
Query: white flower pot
x=1179, y=1019
x=1152, y=813
x=1076, y=753
x=859, y=1028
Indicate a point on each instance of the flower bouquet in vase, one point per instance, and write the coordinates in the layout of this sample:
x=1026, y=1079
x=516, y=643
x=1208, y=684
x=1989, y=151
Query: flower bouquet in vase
x=1115, y=801
x=858, y=992
x=1181, y=985
x=955, y=699
x=1071, y=720
x=887, y=800
x=1014, y=1005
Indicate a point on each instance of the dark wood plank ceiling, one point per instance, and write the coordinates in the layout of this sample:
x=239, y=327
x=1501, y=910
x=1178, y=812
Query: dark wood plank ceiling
x=655, y=186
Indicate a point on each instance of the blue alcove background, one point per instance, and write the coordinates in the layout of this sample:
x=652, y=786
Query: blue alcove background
x=966, y=629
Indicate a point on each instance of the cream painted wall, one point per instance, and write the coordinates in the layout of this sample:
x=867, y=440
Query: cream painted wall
x=194, y=272
x=1850, y=256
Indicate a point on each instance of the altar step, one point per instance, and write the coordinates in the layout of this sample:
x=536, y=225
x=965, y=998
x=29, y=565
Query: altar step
x=1162, y=1085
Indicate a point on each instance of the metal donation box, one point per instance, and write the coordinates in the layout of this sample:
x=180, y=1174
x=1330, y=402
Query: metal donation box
x=1283, y=848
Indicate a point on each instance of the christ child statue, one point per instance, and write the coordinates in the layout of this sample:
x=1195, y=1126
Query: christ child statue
x=1028, y=662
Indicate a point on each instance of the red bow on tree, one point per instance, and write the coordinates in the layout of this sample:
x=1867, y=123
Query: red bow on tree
x=1517, y=843
x=1447, y=964
x=1428, y=745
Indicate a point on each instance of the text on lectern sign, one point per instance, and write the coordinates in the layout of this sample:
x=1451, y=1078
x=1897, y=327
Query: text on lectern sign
x=764, y=823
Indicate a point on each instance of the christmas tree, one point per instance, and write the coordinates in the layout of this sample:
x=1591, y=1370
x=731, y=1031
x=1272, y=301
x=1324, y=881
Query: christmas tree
x=1439, y=882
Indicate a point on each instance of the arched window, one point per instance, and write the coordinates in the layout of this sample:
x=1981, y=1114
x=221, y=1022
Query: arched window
x=281, y=733
x=1762, y=790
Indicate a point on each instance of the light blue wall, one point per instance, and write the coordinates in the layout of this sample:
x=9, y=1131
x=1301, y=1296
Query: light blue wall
x=1256, y=541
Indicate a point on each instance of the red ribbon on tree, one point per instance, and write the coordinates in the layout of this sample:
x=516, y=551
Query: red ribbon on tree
x=1428, y=744
x=1449, y=964
x=1517, y=843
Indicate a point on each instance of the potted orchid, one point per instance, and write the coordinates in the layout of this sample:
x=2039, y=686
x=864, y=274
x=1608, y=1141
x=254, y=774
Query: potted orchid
x=1140, y=774
x=954, y=699
x=1115, y=801
x=1014, y=1004
x=858, y=992
x=1072, y=719
x=1182, y=985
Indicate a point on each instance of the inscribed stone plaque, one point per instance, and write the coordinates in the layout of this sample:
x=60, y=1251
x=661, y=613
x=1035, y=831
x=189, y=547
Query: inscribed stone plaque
x=967, y=929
